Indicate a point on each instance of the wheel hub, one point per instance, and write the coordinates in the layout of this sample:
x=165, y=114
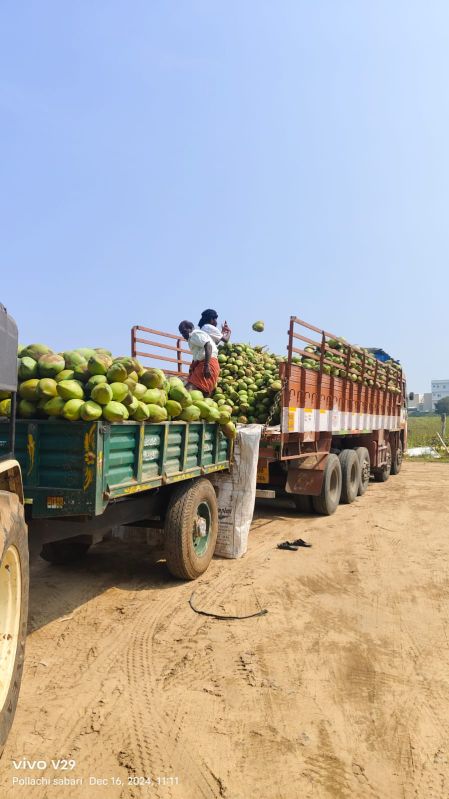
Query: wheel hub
x=200, y=527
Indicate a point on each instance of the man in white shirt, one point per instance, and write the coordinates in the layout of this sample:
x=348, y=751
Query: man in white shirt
x=204, y=369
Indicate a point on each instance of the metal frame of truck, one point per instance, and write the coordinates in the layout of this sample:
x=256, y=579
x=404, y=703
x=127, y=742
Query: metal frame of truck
x=14, y=564
x=334, y=433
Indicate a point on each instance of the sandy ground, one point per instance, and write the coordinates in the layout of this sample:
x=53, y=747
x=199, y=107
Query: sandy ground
x=341, y=690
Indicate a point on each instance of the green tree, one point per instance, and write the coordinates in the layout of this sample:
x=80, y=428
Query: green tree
x=442, y=406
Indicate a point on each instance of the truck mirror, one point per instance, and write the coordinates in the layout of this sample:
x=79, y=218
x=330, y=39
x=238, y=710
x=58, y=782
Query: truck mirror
x=411, y=396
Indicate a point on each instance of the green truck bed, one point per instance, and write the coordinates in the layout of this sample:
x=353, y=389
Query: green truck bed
x=76, y=468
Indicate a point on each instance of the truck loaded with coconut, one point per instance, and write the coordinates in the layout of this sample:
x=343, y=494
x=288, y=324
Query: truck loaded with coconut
x=106, y=441
x=333, y=414
x=13, y=541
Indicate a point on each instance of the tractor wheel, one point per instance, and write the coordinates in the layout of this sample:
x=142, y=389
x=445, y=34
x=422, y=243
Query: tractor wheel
x=191, y=528
x=14, y=581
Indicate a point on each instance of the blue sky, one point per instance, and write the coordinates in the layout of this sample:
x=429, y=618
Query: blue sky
x=262, y=158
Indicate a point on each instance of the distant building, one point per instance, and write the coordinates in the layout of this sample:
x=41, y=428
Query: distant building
x=440, y=389
x=427, y=404
x=421, y=402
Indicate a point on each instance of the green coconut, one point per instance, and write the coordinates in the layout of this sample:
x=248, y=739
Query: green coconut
x=179, y=394
x=229, y=430
x=153, y=378
x=26, y=409
x=117, y=373
x=29, y=390
x=47, y=388
x=72, y=409
x=35, y=351
x=102, y=394
x=66, y=374
x=70, y=389
x=196, y=395
x=91, y=411
x=119, y=391
x=140, y=391
x=95, y=380
x=27, y=368
x=86, y=352
x=190, y=414
x=5, y=407
x=99, y=364
x=203, y=408
x=173, y=408
x=155, y=396
x=115, y=412
x=73, y=359
x=141, y=413
x=50, y=365
x=82, y=372
x=131, y=403
x=156, y=413
x=54, y=406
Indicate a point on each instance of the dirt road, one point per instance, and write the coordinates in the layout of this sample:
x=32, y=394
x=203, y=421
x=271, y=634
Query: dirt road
x=341, y=690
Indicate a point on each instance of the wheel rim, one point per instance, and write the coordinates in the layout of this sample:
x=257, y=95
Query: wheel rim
x=365, y=471
x=399, y=454
x=10, y=600
x=201, y=529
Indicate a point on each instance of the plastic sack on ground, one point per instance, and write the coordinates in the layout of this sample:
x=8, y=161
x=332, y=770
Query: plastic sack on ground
x=236, y=493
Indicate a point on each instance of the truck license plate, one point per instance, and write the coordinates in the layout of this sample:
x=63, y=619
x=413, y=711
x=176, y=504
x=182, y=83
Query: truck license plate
x=263, y=474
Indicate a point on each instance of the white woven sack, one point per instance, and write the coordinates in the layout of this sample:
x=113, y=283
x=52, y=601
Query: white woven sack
x=236, y=493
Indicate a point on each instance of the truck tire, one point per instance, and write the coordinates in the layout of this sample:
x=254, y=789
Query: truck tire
x=68, y=550
x=396, y=461
x=14, y=581
x=303, y=503
x=327, y=502
x=191, y=528
x=350, y=476
x=382, y=475
x=365, y=469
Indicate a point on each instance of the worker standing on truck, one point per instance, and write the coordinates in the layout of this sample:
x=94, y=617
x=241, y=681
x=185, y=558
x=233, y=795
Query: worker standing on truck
x=204, y=369
x=208, y=323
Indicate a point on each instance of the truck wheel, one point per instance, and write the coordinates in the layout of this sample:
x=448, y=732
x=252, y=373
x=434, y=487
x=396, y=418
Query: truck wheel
x=382, y=475
x=14, y=580
x=68, y=550
x=350, y=474
x=303, y=503
x=365, y=469
x=327, y=502
x=396, y=462
x=191, y=528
